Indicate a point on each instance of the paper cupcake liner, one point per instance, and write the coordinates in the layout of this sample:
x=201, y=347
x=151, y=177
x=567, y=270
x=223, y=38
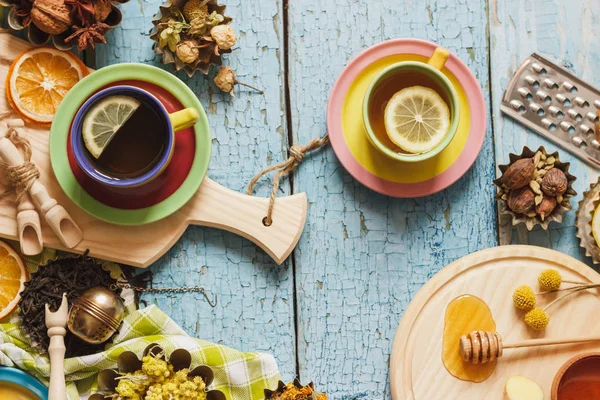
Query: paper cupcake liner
x=583, y=221
x=39, y=38
x=168, y=57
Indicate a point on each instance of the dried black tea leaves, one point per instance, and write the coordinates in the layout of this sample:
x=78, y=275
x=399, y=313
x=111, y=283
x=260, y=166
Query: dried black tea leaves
x=72, y=275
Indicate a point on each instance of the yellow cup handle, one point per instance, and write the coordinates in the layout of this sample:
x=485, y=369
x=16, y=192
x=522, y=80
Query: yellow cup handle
x=439, y=58
x=184, y=119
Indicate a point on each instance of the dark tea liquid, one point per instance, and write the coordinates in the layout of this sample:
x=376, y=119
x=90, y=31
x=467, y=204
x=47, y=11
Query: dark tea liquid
x=136, y=147
x=384, y=92
x=581, y=381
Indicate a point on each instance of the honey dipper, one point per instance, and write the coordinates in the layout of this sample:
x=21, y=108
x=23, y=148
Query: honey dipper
x=479, y=347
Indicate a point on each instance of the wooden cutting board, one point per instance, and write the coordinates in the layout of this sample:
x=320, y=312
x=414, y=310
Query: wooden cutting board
x=213, y=205
x=416, y=368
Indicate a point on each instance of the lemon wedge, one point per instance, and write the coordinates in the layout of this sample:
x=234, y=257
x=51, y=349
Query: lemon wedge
x=104, y=120
x=417, y=119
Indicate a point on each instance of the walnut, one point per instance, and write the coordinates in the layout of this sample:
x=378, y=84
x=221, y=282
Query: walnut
x=519, y=174
x=50, y=16
x=554, y=182
x=521, y=200
x=546, y=207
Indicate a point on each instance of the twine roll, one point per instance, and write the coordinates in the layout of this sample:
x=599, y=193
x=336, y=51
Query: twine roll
x=21, y=177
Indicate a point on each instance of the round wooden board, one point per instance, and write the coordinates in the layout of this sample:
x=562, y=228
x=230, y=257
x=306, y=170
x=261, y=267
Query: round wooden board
x=416, y=368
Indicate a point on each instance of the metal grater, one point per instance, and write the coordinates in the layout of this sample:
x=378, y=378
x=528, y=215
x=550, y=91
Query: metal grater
x=556, y=104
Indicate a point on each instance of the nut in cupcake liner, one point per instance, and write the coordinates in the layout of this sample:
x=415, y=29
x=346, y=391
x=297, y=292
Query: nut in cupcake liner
x=541, y=164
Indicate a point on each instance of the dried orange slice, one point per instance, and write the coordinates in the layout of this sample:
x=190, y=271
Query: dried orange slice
x=12, y=278
x=38, y=80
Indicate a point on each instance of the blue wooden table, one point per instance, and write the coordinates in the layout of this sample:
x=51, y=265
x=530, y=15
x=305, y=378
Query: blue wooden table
x=329, y=313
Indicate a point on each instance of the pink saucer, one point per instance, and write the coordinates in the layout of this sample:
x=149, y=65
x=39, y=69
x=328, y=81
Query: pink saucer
x=441, y=181
x=165, y=184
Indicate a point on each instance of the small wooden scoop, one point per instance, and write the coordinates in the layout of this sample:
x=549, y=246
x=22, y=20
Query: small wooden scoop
x=480, y=347
x=55, y=215
x=28, y=219
x=56, y=322
x=30, y=228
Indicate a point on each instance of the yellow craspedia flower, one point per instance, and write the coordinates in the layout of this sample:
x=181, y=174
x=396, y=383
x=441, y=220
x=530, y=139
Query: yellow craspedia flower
x=550, y=279
x=537, y=319
x=524, y=298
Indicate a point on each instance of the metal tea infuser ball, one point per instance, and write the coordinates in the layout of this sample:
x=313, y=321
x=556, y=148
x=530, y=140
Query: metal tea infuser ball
x=96, y=315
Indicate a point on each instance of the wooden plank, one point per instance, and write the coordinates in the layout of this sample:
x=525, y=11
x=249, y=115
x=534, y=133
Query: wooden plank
x=563, y=31
x=363, y=256
x=255, y=310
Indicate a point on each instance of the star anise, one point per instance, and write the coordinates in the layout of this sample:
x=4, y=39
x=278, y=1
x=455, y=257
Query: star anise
x=23, y=11
x=88, y=36
x=81, y=9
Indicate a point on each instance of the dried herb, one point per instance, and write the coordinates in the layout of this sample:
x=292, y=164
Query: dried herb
x=294, y=391
x=201, y=25
x=171, y=35
x=182, y=23
x=82, y=10
x=88, y=36
x=72, y=275
x=23, y=11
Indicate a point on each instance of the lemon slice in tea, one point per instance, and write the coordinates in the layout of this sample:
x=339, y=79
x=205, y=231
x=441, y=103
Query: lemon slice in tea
x=417, y=119
x=104, y=120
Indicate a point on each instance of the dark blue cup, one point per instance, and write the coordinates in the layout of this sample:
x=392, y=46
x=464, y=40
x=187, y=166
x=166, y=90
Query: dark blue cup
x=171, y=123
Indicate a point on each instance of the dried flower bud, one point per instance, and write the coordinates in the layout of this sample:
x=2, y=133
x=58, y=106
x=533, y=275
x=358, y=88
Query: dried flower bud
x=224, y=36
x=187, y=51
x=524, y=298
x=225, y=79
x=550, y=279
x=537, y=319
x=195, y=9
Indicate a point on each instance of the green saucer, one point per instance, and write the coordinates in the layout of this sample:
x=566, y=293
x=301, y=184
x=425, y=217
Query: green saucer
x=59, y=134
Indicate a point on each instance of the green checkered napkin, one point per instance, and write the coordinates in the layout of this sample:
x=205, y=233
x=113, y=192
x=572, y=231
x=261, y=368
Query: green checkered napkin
x=241, y=376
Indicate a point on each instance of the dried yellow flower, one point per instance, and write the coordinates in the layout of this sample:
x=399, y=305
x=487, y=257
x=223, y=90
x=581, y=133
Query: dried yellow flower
x=225, y=79
x=537, y=319
x=294, y=391
x=195, y=9
x=224, y=36
x=524, y=298
x=550, y=279
x=187, y=51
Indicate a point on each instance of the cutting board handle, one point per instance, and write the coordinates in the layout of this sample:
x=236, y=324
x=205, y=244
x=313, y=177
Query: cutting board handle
x=219, y=207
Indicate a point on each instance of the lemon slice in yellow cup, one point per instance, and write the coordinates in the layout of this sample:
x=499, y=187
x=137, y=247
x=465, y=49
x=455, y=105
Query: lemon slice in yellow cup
x=417, y=119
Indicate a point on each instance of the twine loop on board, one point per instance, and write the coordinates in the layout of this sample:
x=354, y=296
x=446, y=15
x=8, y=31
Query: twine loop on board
x=284, y=168
x=21, y=177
